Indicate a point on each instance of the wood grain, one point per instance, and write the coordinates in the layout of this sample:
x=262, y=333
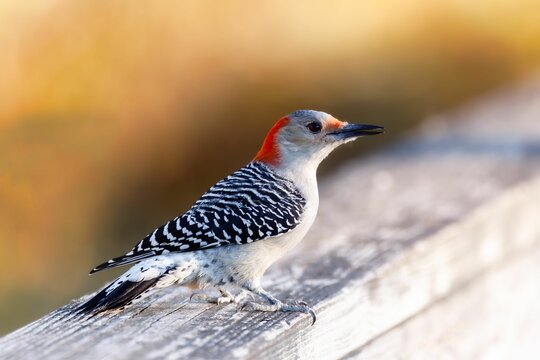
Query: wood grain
x=398, y=238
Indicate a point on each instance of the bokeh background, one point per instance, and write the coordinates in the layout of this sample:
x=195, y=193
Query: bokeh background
x=116, y=115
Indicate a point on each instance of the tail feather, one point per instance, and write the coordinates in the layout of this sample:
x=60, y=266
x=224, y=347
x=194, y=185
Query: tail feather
x=159, y=271
x=119, y=296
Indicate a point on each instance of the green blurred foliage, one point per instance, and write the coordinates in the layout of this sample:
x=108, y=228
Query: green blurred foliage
x=116, y=115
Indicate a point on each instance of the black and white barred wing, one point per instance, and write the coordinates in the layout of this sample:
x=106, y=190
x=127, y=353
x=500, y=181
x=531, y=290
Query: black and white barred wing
x=252, y=204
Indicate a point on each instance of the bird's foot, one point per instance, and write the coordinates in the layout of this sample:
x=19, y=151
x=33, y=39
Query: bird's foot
x=298, y=306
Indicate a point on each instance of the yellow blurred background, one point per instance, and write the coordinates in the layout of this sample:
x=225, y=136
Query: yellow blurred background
x=116, y=115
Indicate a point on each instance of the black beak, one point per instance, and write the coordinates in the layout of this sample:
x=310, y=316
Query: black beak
x=356, y=130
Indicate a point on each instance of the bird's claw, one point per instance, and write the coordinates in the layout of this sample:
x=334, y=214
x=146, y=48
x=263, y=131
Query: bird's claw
x=313, y=315
x=301, y=306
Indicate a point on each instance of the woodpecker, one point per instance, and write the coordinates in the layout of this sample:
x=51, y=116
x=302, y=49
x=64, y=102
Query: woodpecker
x=241, y=226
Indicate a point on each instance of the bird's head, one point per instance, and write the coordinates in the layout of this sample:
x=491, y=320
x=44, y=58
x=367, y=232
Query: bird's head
x=306, y=137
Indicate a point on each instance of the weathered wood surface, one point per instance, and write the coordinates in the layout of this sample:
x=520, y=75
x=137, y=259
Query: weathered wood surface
x=493, y=317
x=405, y=241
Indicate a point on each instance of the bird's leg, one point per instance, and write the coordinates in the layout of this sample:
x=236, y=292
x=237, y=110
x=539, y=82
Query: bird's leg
x=276, y=305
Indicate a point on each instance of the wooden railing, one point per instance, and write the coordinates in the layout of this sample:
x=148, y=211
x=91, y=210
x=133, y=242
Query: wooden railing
x=428, y=249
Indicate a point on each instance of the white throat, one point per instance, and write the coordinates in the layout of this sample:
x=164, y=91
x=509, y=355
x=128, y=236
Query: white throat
x=301, y=168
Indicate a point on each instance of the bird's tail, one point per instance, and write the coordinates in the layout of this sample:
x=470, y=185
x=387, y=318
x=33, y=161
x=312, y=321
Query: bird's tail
x=159, y=271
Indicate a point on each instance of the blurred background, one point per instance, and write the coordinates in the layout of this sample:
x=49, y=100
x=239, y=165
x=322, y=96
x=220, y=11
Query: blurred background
x=116, y=115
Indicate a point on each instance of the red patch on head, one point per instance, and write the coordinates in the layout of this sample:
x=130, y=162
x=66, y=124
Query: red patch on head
x=269, y=152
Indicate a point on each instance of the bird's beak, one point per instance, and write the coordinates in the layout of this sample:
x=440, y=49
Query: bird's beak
x=356, y=130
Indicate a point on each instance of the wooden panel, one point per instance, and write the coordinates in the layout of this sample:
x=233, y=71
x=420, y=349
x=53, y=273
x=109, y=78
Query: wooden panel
x=493, y=317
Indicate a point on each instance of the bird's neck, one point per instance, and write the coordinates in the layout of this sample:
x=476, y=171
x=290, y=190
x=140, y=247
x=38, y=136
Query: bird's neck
x=304, y=176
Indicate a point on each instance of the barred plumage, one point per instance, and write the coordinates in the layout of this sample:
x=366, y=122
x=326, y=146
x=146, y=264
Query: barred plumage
x=251, y=204
x=241, y=226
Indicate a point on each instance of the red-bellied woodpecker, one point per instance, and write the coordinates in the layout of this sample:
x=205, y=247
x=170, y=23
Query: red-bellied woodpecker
x=242, y=225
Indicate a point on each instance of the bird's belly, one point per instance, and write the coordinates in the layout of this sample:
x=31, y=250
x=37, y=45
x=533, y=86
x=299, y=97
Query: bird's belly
x=240, y=264
x=248, y=262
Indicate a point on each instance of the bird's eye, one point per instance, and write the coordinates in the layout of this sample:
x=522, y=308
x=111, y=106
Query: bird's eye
x=314, y=127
